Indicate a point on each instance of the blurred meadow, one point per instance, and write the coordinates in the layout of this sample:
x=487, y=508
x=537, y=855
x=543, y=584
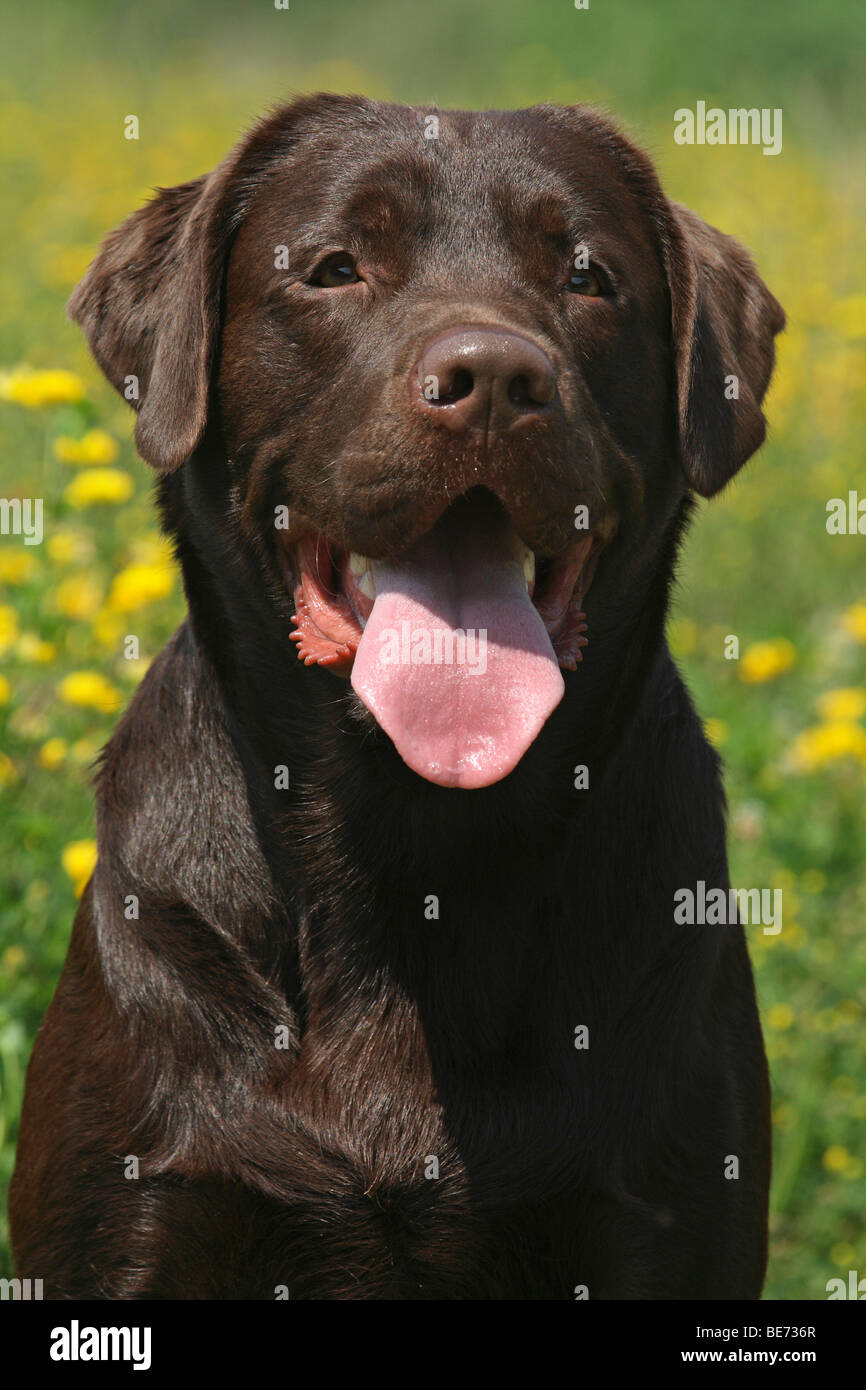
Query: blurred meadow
x=789, y=715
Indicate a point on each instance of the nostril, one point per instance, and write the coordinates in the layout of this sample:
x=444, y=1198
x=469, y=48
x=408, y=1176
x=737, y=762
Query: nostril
x=519, y=392
x=457, y=388
x=488, y=378
x=526, y=394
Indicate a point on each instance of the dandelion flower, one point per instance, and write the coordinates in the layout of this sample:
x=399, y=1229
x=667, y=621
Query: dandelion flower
x=836, y=1158
x=764, y=661
x=846, y=703
x=69, y=548
x=8, y=628
x=84, y=750
x=52, y=753
x=37, y=389
x=96, y=448
x=78, y=597
x=780, y=1016
x=107, y=629
x=16, y=566
x=137, y=585
x=29, y=647
x=716, y=731
x=854, y=621
x=79, y=861
x=13, y=959
x=90, y=690
x=828, y=743
x=99, y=485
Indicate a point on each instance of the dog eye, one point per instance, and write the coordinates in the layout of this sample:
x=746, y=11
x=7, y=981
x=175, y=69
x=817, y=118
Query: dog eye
x=589, y=282
x=335, y=271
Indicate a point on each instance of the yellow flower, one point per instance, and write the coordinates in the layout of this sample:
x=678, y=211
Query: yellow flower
x=69, y=548
x=36, y=389
x=8, y=771
x=99, y=485
x=854, y=621
x=32, y=648
x=84, y=750
x=52, y=753
x=843, y=1255
x=13, y=959
x=79, y=861
x=780, y=1016
x=107, y=629
x=846, y=703
x=828, y=743
x=90, y=690
x=813, y=881
x=152, y=549
x=78, y=597
x=837, y=1158
x=682, y=636
x=5, y=690
x=136, y=669
x=96, y=447
x=763, y=661
x=716, y=731
x=8, y=628
x=16, y=566
x=137, y=585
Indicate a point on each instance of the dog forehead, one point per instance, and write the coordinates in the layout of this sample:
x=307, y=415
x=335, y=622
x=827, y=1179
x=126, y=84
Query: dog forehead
x=405, y=171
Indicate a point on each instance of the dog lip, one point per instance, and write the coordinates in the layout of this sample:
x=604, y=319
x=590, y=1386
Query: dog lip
x=331, y=607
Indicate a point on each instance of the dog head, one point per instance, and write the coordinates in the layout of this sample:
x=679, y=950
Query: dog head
x=457, y=368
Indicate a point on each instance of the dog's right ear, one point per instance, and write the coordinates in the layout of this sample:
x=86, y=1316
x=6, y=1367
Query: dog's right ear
x=150, y=306
x=150, y=303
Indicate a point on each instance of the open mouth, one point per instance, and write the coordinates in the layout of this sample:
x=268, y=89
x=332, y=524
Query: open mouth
x=456, y=648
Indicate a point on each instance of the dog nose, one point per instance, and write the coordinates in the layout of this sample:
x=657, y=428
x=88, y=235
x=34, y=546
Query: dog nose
x=476, y=378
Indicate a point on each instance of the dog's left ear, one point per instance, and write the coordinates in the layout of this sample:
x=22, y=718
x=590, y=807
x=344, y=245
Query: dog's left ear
x=724, y=322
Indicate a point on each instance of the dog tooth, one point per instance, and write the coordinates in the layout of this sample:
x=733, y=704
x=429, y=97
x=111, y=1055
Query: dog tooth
x=529, y=566
x=366, y=585
x=358, y=564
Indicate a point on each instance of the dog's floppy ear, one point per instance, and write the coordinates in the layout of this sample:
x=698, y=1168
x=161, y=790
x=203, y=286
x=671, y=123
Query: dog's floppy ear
x=150, y=303
x=724, y=322
x=150, y=306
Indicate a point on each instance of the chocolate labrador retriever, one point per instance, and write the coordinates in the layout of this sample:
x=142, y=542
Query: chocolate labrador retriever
x=377, y=990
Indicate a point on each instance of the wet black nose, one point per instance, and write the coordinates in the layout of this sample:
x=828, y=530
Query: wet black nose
x=474, y=378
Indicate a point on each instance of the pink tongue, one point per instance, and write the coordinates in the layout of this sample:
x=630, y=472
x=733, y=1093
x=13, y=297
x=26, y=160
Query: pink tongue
x=468, y=721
